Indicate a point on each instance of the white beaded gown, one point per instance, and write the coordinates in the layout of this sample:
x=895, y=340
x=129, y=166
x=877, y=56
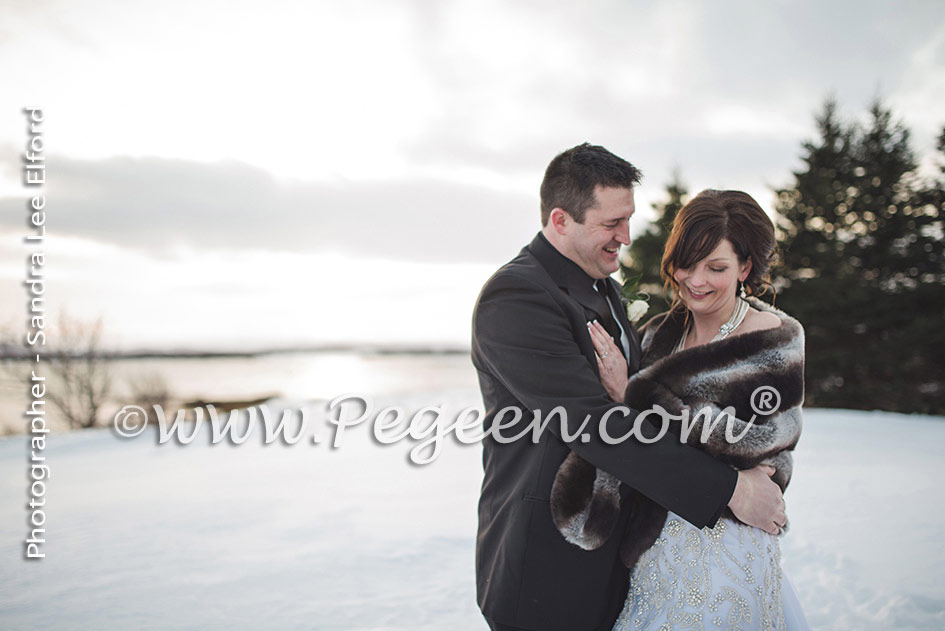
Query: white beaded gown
x=725, y=577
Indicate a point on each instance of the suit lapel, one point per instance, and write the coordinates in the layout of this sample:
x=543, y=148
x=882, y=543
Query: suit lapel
x=573, y=280
x=589, y=298
x=568, y=275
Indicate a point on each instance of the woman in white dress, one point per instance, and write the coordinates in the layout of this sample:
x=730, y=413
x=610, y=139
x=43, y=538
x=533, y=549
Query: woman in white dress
x=714, y=349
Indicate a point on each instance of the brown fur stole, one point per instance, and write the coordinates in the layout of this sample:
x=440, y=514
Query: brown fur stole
x=585, y=501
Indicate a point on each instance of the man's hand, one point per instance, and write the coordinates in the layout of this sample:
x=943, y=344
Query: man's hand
x=757, y=501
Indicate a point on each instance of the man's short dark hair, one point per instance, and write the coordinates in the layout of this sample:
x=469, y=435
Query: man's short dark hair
x=573, y=175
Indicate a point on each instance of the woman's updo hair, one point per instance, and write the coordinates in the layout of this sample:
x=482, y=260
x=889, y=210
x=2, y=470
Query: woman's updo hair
x=710, y=217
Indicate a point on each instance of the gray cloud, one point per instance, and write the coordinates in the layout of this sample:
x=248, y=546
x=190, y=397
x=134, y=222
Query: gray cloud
x=155, y=203
x=512, y=89
x=634, y=75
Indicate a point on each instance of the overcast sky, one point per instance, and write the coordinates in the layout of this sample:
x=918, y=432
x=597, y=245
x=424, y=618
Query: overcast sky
x=242, y=174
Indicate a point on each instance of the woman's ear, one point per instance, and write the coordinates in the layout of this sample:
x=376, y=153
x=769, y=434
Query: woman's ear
x=744, y=270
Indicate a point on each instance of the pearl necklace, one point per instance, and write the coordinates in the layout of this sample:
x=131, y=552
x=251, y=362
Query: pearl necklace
x=741, y=310
x=738, y=314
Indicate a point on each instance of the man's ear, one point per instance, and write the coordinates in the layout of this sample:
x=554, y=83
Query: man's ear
x=745, y=270
x=560, y=220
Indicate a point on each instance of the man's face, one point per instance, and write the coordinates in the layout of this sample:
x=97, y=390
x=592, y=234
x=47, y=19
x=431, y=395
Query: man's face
x=595, y=244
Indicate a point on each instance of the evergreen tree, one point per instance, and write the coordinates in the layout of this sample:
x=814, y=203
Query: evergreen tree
x=879, y=221
x=929, y=216
x=928, y=324
x=810, y=209
x=858, y=252
x=646, y=251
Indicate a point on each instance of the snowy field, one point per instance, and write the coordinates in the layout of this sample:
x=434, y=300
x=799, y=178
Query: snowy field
x=164, y=537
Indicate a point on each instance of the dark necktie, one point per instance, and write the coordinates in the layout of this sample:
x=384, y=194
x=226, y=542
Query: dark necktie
x=607, y=318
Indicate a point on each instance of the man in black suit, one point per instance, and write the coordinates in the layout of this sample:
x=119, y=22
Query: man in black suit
x=532, y=351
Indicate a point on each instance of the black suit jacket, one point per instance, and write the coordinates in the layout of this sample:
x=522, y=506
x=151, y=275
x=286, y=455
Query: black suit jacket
x=531, y=348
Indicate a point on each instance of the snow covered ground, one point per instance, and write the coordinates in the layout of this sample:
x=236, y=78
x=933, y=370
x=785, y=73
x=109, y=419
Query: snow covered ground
x=165, y=537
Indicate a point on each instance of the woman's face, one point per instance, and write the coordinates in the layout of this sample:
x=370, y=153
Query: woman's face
x=709, y=286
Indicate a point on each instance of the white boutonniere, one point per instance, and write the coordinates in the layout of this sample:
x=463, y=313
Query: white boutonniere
x=635, y=302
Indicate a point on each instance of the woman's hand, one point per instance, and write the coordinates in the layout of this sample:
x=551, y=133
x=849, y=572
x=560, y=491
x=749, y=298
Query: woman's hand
x=610, y=361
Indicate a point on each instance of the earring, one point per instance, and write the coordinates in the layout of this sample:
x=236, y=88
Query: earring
x=741, y=290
